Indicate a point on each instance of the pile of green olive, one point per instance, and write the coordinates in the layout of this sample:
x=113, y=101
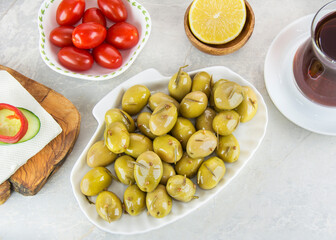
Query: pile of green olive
x=186, y=134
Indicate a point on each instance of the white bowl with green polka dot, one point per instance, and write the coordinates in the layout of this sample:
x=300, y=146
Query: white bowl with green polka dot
x=137, y=16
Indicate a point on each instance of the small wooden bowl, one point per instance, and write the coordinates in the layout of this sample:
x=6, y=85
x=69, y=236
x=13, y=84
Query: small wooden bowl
x=226, y=48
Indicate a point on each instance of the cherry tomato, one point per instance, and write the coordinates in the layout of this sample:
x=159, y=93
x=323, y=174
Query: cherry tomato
x=94, y=15
x=88, y=35
x=107, y=56
x=62, y=36
x=114, y=10
x=75, y=59
x=70, y=11
x=122, y=35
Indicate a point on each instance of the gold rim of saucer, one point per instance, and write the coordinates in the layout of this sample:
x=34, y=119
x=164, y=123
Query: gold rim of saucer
x=229, y=47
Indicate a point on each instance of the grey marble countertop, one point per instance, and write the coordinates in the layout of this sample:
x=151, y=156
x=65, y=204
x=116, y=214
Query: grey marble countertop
x=286, y=191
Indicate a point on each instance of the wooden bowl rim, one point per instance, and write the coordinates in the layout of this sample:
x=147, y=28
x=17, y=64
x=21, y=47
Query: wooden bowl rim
x=229, y=47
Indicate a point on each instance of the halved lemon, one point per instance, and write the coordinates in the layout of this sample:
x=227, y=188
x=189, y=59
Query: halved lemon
x=217, y=21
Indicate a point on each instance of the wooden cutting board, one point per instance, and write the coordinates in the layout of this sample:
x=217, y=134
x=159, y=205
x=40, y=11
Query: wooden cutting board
x=31, y=177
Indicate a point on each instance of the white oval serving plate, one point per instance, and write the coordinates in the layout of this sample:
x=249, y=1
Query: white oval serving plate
x=137, y=15
x=249, y=135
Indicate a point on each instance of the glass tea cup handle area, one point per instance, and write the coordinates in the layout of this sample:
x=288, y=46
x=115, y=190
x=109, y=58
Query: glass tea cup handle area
x=315, y=69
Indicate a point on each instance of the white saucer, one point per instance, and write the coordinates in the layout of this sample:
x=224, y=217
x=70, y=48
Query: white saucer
x=279, y=80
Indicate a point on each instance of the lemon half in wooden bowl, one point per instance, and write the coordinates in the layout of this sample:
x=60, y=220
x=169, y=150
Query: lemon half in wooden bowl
x=219, y=27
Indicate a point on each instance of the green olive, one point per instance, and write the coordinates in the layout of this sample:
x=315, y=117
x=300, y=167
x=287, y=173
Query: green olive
x=138, y=144
x=181, y=188
x=99, y=155
x=202, y=82
x=148, y=171
x=163, y=118
x=118, y=115
x=168, y=171
x=210, y=173
x=188, y=166
x=225, y=122
x=249, y=106
x=182, y=130
x=219, y=82
x=95, y=181
x=228, y=148
x=134, y=200
x=124, y=168
x=160, y=97
x=158, y=202
x=116, y=137
x=143, y=124
x=168, y=148
x=228, y=95
x=135, y=99
x=179, y=85
x=108, y=206
x=205, y=120
x=201, y=144
x=214, y=86
x=193, y=104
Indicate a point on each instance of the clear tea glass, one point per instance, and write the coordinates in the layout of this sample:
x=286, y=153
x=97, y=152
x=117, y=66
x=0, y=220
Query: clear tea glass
x=314, y=64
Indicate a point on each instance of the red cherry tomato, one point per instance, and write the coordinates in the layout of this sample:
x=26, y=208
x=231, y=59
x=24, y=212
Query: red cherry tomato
x=75, y=59
x=62, y=36
x=94, y=15
x=123, y=35
x=70, y=11
x=88, y=35
x=114, y=10
x=107, y=56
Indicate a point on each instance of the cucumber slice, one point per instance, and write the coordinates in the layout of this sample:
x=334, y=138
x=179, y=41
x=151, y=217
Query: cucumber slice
x=34, y=125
